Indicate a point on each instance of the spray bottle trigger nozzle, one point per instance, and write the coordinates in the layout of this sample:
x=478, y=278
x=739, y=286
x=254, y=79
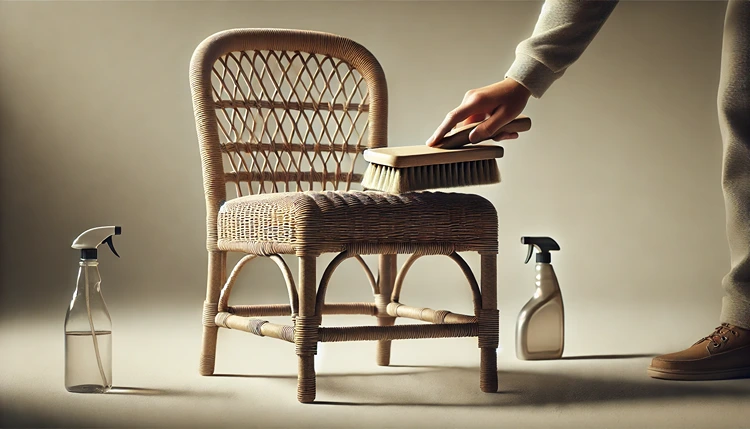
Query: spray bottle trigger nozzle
x=528, y=255
x=111, y=245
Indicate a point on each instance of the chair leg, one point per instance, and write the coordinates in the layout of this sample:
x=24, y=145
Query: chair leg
x=489, y=327
x=216, y=273
x=306, y=330
x=386, y=279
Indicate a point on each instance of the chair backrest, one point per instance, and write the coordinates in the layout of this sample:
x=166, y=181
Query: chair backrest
x=284, y=110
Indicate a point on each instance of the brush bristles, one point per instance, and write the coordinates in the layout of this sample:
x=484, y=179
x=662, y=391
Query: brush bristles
x=400, y=180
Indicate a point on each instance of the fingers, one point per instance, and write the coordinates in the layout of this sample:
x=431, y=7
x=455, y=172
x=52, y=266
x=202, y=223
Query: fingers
x=491, y=126
x=451, y=120
x=505, y=136
x=473, y=118
x=505, y=100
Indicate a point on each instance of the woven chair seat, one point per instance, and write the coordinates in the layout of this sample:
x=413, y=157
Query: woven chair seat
x=362, y=222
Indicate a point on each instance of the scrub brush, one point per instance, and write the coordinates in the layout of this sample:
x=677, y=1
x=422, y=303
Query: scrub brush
x=415, y=168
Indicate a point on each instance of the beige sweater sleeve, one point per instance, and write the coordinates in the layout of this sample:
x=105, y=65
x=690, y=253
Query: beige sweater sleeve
x=564, y=30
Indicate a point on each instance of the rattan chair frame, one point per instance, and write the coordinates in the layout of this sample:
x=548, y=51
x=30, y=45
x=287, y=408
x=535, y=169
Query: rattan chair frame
x=307, y=297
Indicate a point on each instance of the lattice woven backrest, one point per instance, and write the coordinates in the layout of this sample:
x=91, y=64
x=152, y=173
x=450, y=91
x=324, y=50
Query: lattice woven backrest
x=286, y=110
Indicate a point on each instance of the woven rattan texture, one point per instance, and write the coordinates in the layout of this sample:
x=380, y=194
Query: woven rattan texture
x=283, y=110
x=288, y=118
x=317, y=222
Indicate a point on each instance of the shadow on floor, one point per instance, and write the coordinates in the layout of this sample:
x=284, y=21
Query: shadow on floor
x=458, y=387
x=607, y=357
x=564, y=384
x=422, y=368
x=145, y=391
x=325, y=375
x=418, y=366
x=121, y=390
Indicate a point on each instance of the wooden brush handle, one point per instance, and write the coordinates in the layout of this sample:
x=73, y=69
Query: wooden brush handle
x=422, y=155
x=459, y=137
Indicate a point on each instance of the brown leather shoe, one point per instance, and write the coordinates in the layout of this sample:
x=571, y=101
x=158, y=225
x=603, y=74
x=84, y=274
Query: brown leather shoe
x=723, y=354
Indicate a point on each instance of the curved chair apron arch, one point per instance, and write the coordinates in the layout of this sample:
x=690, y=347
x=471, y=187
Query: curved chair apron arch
x=473, y=285
x=328, y=273
x=285, y=271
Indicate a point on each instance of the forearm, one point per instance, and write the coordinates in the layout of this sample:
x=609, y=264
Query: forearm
x=563, y=32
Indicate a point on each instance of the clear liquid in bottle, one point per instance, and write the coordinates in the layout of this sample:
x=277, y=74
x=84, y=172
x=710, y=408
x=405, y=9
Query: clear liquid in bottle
x=88, y=335
x=83, y=373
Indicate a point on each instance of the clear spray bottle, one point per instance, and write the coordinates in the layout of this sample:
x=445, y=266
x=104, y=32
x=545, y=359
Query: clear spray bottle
x=88, y=327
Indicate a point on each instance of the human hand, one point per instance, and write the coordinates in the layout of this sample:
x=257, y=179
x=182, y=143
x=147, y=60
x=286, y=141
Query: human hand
x=498, y=103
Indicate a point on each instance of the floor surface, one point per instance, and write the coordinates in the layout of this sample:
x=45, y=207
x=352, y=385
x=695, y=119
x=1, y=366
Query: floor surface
x=433, y=383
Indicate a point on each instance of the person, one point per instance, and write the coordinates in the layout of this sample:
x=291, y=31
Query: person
x=563, y=31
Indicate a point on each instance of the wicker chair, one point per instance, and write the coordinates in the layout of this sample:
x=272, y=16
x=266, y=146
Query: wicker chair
x=281, y=117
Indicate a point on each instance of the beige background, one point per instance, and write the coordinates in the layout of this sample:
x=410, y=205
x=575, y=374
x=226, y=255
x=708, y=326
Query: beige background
x=622, y=166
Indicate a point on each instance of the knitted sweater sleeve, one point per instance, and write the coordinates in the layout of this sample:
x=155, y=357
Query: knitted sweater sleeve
x=563, y=31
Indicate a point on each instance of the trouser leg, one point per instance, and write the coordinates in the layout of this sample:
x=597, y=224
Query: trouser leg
x=734, y=118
